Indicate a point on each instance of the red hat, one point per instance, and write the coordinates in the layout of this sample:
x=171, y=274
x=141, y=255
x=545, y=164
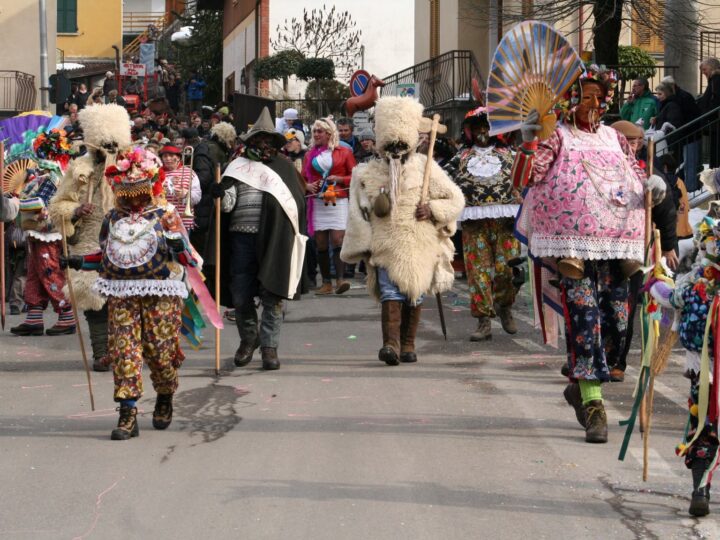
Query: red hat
x=170, y=149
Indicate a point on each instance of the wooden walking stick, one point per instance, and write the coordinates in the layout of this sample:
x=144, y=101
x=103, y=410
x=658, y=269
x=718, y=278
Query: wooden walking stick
x=217, y=272
x=648, y=236
x=2, y=244
x=435, y=128
x=75, y=314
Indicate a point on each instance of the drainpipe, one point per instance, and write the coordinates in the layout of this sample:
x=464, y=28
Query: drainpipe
x=44, y=80
x=117, y=57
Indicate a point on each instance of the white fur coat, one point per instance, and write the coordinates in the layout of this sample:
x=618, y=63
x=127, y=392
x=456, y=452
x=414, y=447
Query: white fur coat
x=71, y=193
x=417, y=254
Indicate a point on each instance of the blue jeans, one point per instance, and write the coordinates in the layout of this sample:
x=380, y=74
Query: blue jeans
x=244, y=287
x=389, y=291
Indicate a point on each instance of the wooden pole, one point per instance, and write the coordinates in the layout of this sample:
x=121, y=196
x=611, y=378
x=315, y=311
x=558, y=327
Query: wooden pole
x=217, y=272
x=428, y=163
x=75, y=314
x=648, y=236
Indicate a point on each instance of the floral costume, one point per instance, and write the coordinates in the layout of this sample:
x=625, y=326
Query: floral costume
x=483, y=175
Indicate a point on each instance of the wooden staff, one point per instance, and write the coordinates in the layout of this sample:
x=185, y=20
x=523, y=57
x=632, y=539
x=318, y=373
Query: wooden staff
x=2, y=244
x=75, y=314
x=217, y=272
x=648, y=235
x=428, y=163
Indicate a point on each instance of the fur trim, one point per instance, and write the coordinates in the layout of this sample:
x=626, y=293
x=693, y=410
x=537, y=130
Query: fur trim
x=397, y=119
x=417, y=254
x=103, y=124
x=225, y=133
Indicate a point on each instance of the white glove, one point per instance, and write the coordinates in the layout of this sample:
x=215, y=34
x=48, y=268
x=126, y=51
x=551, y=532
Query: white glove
x=530, y=127
x=657, y=187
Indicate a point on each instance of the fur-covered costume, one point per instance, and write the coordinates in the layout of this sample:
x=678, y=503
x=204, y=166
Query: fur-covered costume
x=106, y=130
x=403, y=254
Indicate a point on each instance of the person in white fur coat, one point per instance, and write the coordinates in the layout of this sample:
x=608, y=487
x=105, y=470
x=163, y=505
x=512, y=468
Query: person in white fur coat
x=82, y=200
x=406, y=245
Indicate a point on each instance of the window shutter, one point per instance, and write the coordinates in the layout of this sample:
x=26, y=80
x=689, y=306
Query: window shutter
x=67, y=16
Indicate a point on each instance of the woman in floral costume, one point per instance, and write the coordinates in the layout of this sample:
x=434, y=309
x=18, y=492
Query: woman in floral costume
x=140, y=265
x=585, y=214
x=482, y=170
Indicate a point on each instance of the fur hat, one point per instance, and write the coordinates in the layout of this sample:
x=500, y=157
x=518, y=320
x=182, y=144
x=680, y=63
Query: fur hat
x=397, y=119
x=225, y=133
x=105, y=124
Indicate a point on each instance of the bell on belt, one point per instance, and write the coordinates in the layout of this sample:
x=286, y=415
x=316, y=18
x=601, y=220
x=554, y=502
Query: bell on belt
x=629, y=267
x=571, y=267
x=382, y=205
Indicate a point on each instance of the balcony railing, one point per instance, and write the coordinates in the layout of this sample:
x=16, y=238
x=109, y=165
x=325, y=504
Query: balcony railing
x=17, y=91
x=136, y=22
x=442, y=80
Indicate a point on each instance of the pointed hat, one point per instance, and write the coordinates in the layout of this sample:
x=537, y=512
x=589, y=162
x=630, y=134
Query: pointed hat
x=264, y=124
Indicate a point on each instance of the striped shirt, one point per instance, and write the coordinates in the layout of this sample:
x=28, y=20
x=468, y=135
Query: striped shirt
x=177, y=182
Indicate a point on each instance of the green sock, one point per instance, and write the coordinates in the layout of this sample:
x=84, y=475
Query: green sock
x=590, y=391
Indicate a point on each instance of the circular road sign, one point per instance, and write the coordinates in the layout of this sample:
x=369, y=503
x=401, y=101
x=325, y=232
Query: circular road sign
x=358, y=82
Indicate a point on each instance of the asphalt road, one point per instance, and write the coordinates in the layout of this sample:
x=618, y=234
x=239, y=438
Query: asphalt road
x=474, y=441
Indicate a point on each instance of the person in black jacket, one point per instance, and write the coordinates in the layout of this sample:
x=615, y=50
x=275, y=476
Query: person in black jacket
x=710, y=100
x=691, y=159
x=670, y=111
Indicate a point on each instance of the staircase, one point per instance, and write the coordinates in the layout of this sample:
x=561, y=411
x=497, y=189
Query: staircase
x=445, y=85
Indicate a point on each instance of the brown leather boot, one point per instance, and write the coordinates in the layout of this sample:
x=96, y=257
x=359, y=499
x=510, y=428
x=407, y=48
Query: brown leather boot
x=408, y=330
x=484, y=330
x=391, y=318
x=127, y=424
x=596, y=430
x=506, y=319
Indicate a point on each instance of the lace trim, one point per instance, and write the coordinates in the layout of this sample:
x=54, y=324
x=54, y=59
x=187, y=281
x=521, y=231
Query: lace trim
x=586, y=248
x=490, y=211
x=123, y=288
x=45, y=237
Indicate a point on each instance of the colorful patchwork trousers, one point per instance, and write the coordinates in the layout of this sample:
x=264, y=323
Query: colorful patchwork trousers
x=45, y=278
x=488, y=245
x=596, y=319
x=144, y=328
x=706, y=445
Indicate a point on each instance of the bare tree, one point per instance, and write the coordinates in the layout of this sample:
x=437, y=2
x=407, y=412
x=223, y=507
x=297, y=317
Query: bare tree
x=322, y=33
x=648, y=17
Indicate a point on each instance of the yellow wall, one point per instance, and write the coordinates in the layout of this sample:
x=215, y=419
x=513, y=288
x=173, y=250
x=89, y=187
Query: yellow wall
x=99, y=28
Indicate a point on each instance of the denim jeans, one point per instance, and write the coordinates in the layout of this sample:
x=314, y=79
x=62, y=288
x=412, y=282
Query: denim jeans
x=389, y=291
x=244, y=287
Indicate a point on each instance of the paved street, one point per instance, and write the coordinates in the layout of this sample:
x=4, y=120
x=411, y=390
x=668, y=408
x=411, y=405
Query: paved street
x=475, y=441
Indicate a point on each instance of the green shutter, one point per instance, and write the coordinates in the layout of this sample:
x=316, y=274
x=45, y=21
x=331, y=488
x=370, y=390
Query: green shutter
x=66, y=16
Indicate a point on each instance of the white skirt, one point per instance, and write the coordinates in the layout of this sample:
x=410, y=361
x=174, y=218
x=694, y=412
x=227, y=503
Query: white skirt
x=330, y=218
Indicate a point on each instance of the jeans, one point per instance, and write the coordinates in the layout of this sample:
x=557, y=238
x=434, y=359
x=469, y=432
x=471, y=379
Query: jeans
x=389, y=291
x=244, y=287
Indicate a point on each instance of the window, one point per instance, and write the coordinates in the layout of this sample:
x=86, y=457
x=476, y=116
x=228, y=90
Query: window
x=67, y=16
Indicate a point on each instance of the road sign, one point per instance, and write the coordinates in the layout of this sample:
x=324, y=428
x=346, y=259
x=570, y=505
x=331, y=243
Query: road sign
x=128, y=69
x=358, y=82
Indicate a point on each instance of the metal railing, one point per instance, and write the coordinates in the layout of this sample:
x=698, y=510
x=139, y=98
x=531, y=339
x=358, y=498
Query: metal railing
x=152, y=31
x=443, y=80
x=136, y=22
x=17, y=91
x=311, y=109
x=692, y=147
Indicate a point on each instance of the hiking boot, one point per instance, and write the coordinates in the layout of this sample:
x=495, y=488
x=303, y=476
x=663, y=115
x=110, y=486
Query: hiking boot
x=101, y=364
x=483, y=331
x=565, y=370
x=162, y=415
x=25, y=329
x=574, y=399
x=326, y=288
x=617, y=375
x=391, y=322
x=596, y=422
x=408, y=330
x=127, y=424
x=245, y=352
x=700, y=500
x=506, y=319
x=270, y=360
x=342, y=287
x=60, y=330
